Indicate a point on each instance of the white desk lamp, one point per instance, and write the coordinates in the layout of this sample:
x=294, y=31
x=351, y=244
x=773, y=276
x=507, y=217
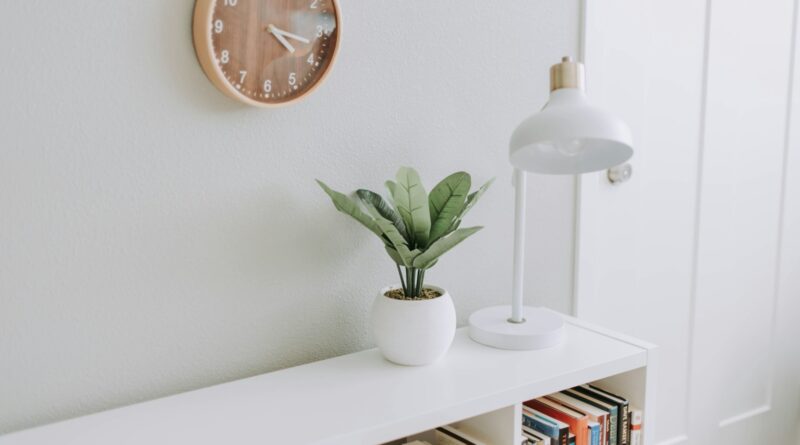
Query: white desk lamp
x=567, y=137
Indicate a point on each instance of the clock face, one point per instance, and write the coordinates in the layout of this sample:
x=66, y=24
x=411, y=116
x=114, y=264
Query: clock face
x=266, y=52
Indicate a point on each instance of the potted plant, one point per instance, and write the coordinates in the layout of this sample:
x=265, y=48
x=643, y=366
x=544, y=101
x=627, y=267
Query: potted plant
x=413, y=323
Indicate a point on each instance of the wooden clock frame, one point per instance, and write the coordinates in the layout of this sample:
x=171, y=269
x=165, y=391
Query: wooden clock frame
x=204, y=49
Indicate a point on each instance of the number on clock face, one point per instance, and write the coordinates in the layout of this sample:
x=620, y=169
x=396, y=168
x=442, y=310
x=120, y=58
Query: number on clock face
x=273, y=51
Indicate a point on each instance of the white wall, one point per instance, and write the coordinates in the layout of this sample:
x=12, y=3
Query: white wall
x=156, y=236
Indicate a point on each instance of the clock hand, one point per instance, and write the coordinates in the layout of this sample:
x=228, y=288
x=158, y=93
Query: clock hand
x=275, y=30
x=279, y=36
x=293, y=36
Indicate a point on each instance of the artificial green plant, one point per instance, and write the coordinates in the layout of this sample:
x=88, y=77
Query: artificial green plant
x=415, y=228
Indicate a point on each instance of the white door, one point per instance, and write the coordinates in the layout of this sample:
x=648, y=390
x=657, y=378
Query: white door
x=699, y=251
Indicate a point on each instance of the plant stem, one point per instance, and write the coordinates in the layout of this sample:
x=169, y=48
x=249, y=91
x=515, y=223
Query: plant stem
x=421, y=281
x=414, y=285
x=402, y=282
x=409, y=283
x=412, y=282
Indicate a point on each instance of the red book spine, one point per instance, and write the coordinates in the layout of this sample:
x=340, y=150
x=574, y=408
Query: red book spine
x=579, y=427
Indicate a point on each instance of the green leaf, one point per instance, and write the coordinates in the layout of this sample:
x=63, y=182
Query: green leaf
x=391, y=186
x=471, y=200
x=398, y=258
x=412, y=203
x=396, y=239
x=446, y=201
x=347, y=206
x=428, y=258
x=375, y=201
x=394, y=255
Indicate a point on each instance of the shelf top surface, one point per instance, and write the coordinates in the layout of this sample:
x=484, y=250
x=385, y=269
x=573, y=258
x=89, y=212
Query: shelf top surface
x=358, y=398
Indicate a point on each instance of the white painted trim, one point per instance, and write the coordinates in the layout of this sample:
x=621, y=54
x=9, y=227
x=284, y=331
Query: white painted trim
x=688, y=419
x=745, y=415
x=576, y=212
x=675, y=440
x=772, y=357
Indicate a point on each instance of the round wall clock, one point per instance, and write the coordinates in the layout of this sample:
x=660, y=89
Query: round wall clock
x=266, y=52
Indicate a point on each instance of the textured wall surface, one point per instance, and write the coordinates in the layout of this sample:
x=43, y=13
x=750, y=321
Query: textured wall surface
x=156, y=236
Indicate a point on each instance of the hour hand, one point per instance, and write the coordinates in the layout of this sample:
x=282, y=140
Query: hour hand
x=279, y=36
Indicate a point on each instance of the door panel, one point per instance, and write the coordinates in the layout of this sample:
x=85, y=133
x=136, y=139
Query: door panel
x=636, y=239
x=740, y=193
x=686, y=253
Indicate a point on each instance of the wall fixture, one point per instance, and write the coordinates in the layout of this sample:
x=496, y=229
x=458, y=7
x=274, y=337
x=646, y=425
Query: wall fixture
x=620, y=173
x=567, y=137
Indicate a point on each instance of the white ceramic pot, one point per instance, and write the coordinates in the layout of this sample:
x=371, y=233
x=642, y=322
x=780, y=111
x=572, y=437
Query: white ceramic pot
x=413, y=332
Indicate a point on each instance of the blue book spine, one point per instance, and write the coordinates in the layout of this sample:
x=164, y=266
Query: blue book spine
x=595, y=434
x=613, y=412
x=614, y=421
x=541, y=426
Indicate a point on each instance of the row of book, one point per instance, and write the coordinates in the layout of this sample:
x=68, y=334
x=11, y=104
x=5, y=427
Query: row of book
x=583, y=415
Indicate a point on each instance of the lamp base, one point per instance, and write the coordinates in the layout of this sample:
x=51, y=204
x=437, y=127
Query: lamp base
x=541, y=329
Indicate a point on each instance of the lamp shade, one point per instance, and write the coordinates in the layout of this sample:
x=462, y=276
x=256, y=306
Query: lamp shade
x=569, y=136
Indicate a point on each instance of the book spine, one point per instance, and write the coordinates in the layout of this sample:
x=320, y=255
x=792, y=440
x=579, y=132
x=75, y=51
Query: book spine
x=624, y=425
x=636, y=427
x=623, y=428
x=541, y=427
x=609, y=437
x=615, y=410
x=594, y=434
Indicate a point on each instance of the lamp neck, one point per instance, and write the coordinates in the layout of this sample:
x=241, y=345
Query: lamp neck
x=517, y=306
x=567, y=74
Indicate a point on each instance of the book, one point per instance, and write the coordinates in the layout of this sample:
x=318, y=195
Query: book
x=448, y=435
x=599, y=415
x=610, y=408
x=535, y=437
x=575, y=419
x=594, y=432
x=621, y=405
x=529, y=438
x=636, y=426
x=624, y=421
x=557, y=430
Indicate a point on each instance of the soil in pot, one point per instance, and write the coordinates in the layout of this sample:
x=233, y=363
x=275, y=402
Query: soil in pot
x=426, y=294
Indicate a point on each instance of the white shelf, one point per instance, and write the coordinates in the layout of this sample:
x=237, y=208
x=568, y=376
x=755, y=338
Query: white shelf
x=362, y=399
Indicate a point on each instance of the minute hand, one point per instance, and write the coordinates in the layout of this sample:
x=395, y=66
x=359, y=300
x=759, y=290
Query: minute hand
x=290, y=35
